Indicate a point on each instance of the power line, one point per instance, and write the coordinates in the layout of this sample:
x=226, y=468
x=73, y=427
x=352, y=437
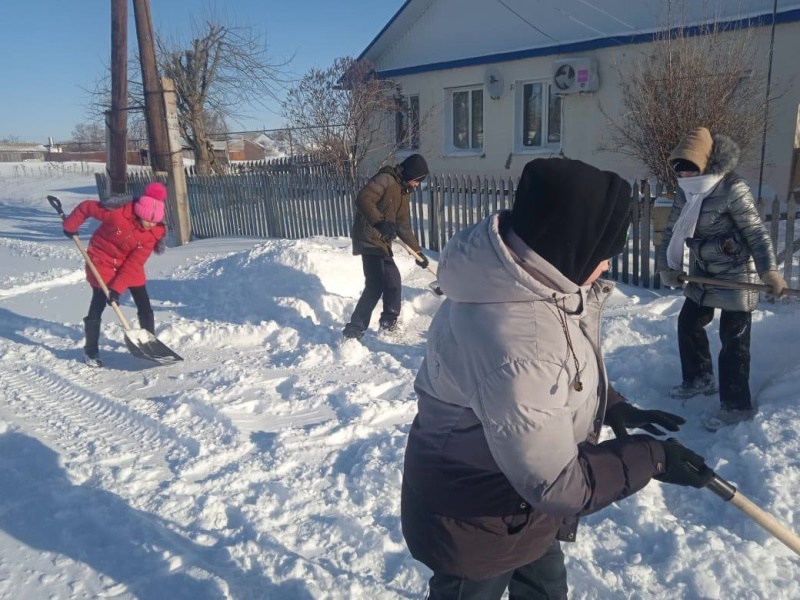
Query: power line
x=608, y=14
x=523, y=19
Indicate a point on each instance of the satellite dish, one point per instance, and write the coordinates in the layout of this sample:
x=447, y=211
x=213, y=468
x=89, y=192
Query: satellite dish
x=493, y=81
x=564, y=77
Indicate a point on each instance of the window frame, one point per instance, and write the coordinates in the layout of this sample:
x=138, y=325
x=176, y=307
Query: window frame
x=519, y=118
x=450, y=149
x=410, y=142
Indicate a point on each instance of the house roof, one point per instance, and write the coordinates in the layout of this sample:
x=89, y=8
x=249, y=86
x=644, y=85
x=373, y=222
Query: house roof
x=430, y=35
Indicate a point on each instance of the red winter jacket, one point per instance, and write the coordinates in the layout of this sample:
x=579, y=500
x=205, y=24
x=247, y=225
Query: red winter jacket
x=120, y=246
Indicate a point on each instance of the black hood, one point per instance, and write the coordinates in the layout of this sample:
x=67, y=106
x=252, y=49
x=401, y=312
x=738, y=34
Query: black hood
x=572, y=214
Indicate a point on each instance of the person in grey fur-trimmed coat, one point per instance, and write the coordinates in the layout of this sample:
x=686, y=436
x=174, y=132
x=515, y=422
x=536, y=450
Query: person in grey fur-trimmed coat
x=714, y=214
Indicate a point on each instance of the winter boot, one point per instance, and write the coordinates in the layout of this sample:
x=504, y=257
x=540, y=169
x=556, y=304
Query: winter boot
x=147, y=321
x=389, y=325
x=91, y=352
x=351, y=332
x=704, y=385
x=726, y=418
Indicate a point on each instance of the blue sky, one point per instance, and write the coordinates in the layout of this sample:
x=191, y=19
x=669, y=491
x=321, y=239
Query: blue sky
x=50, y=49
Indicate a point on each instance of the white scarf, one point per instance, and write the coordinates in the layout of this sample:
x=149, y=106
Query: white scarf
x=696, y=190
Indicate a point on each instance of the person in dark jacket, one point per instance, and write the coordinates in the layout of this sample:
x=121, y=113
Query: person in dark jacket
x=119, y=248
x=715, y=215
x=382, y=214
x=503, y=454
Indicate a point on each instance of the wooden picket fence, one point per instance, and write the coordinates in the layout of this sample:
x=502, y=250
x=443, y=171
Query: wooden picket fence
x=305, y=203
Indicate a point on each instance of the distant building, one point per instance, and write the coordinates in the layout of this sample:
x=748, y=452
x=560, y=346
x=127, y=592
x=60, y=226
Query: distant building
x=18, y=152
x=258, y=146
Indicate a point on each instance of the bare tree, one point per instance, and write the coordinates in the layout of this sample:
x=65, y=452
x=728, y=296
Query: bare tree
x=223, y=71
x=340, y=113
x=87, y=136
x=220, y=70
x=689, y=80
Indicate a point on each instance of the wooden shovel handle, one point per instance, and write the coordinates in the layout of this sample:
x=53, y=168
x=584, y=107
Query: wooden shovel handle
x=736, y=285
x=415, y=254
x=767, y=521
x=728, y=492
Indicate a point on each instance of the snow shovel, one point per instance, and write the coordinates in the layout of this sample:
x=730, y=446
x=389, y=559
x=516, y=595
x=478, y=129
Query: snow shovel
x=140, y=342
x=434, y=285
x=736, y=285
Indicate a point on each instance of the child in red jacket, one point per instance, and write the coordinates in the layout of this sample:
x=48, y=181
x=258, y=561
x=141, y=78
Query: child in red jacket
x=119, y=248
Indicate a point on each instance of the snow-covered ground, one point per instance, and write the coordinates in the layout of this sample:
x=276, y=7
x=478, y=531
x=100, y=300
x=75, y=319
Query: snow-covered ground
x=268, y=463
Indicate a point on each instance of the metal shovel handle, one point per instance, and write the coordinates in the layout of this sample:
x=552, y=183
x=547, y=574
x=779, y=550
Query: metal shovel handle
x=56, y=204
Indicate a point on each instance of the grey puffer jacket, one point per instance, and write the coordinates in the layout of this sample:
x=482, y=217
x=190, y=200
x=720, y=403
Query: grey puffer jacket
x=503, y=453
x=730, y=241
x=384, y=197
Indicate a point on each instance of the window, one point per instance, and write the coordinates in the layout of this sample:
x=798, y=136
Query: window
x=538, y=117
x=465, y=120
x=406, y=122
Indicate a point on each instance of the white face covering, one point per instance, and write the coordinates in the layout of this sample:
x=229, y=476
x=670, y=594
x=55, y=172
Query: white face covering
x=696, y=190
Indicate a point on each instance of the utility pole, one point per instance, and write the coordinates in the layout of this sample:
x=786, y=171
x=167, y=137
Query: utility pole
x=165, y=158
x=794, y=170
x=155, y=113
x=117, y=118
x=178, y=189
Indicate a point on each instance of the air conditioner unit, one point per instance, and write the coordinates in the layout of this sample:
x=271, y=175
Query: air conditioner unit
x=575, y=75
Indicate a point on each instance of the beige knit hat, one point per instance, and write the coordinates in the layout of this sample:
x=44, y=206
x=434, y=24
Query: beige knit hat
x=694, y=147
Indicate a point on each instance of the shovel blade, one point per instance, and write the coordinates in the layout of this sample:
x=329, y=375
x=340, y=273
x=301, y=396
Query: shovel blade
x=143, y=344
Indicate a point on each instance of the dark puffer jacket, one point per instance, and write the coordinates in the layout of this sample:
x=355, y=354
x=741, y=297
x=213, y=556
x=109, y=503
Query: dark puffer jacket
x=383, y=198
x=730, y=241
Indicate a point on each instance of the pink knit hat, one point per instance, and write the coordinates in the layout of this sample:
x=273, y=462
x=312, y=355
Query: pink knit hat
x=156, y=190
x=150, y=205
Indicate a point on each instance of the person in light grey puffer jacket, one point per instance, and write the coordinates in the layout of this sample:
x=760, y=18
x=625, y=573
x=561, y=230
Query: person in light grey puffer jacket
x=714, y=214
x=503, y=455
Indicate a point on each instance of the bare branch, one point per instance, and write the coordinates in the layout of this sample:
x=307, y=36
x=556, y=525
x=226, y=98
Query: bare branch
x=341, y=112
x=686, y=81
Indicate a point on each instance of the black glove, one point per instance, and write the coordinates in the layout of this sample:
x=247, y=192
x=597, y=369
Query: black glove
x=683, y=467
x=70, y=234
x=113, y=297
x=387, y=229
x=422, y=261
x=624, y=416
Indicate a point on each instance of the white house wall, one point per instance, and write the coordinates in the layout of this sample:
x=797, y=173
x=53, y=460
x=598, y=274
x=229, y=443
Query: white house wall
x=584, y=128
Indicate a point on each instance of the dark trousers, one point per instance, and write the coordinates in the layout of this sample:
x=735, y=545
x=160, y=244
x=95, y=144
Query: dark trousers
x=543, y=579
x=381, y=278
x=734, y=358
x=99, y=302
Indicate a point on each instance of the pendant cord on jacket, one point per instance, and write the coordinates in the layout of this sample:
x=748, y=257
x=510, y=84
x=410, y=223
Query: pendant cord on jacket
x=577, y=385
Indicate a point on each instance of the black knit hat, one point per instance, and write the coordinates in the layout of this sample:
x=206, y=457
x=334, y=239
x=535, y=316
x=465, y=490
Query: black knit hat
x=572, y=214
x=414, y=167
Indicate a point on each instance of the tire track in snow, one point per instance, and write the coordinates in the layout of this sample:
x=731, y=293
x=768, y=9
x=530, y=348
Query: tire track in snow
x=83, y=422
x=38, y=286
